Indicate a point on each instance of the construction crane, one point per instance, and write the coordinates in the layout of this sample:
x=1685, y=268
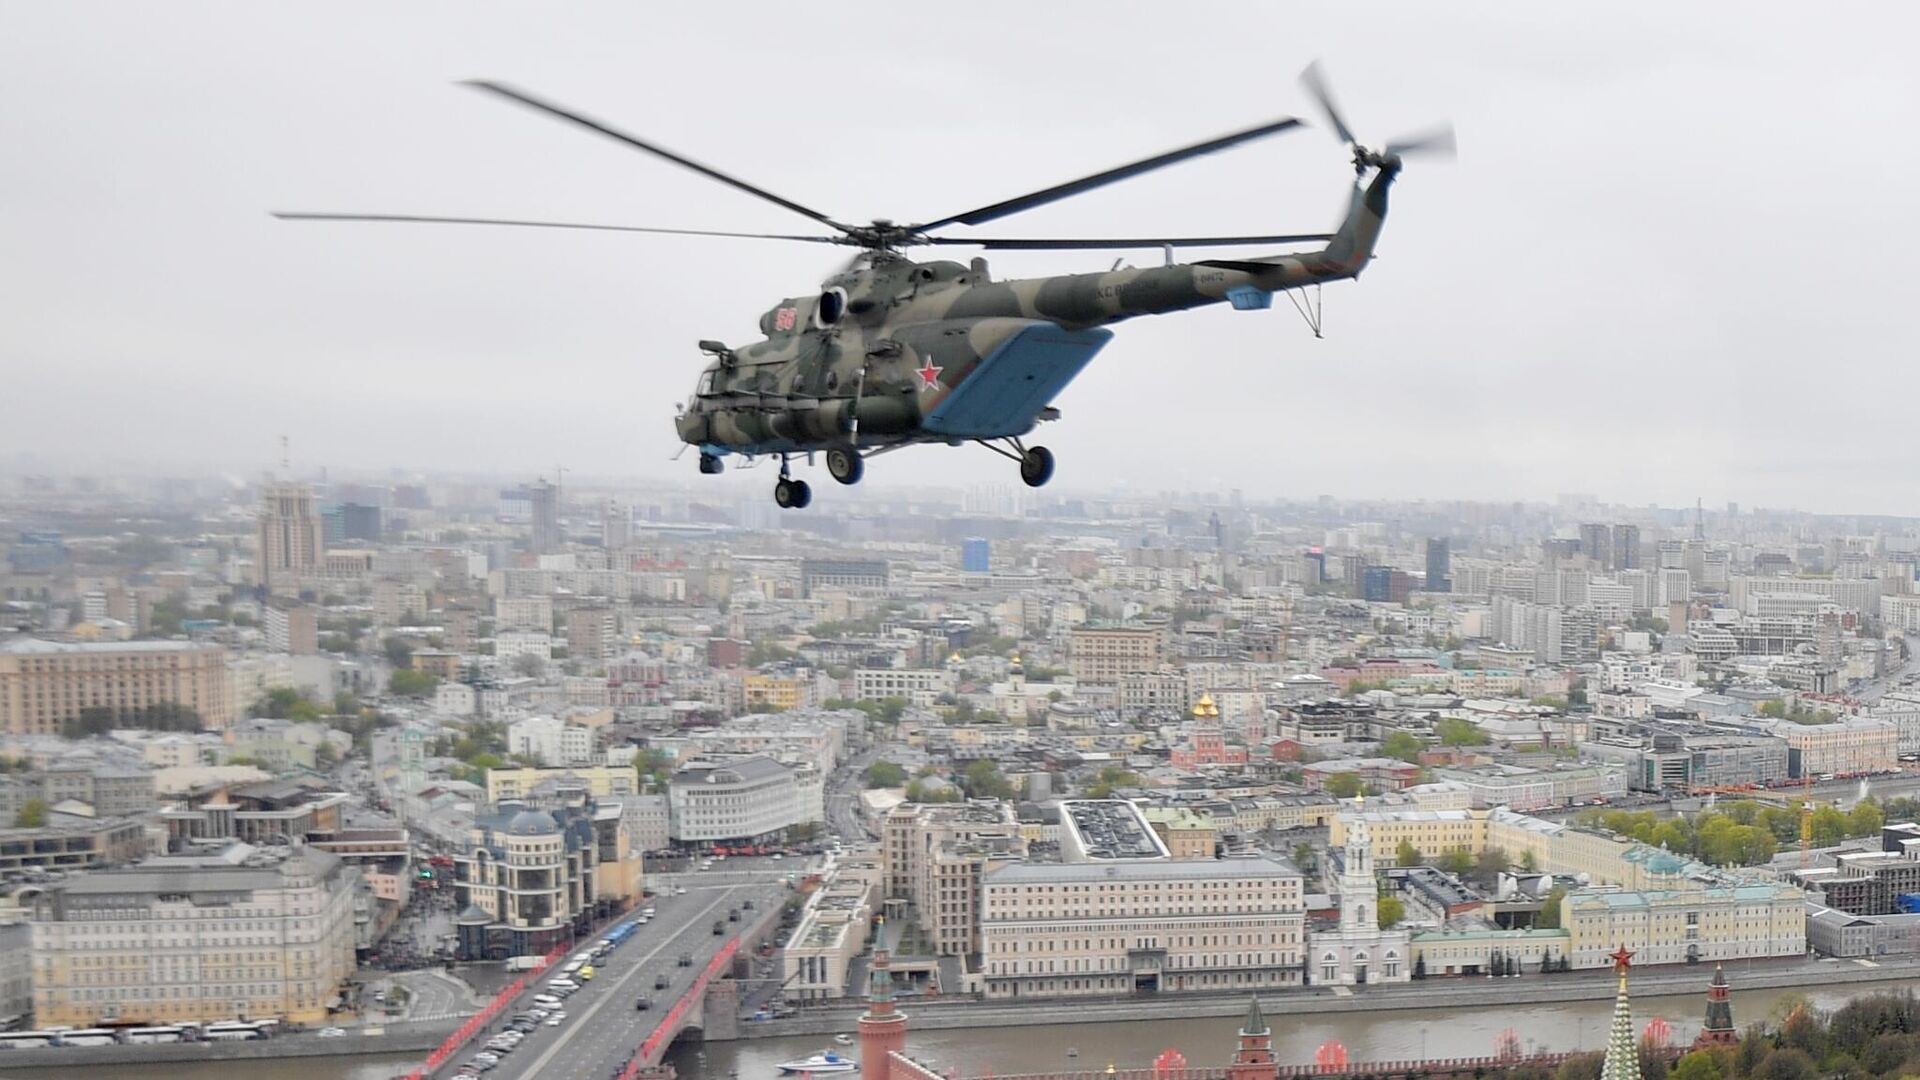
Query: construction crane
x=1806, y=818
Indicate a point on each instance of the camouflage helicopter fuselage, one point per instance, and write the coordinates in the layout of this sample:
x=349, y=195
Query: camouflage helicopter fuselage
x=898, y=351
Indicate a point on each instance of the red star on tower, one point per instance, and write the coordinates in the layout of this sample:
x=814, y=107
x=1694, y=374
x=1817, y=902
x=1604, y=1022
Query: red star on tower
x=929, y=375
x=1622, y=959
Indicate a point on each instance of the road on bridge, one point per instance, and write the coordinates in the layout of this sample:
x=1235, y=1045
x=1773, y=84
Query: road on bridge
x=603, y=1029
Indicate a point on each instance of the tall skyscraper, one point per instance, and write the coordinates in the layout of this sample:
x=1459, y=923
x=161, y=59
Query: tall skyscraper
x=616, y=528
x=1439, y=565
x=1626, y=547
x=976, y=555
x=543, y=500
x=291, y=537
x=1596, y=543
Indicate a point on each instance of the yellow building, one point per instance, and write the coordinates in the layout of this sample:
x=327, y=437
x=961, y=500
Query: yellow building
x=1549, y=846
x=603, y=781
x=1438, y=953
x=44, y=684
x=1188, y=835
x=777, y=692
x=199, y=938
x=1686, y=922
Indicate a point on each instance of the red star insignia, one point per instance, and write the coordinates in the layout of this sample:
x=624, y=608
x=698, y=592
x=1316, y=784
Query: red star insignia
x=930, y=375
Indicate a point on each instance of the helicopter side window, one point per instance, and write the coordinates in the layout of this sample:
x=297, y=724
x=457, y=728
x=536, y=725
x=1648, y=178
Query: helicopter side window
x=706, y=381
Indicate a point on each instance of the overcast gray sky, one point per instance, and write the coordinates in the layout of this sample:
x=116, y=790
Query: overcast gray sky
x=1671, y=260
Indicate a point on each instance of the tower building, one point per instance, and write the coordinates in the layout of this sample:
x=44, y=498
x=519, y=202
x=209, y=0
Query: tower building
x=1719, y=1029
x=1623, y=1051
x=1359, y=951
x=1253, y=1058
x=292, y=537
x=883, y=1031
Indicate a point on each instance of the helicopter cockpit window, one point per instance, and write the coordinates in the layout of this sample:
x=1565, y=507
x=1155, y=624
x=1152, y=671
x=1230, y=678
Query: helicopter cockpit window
x=707, y=378
x=833, y=304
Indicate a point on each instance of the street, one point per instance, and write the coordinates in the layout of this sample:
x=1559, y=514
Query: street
x=602, y=1029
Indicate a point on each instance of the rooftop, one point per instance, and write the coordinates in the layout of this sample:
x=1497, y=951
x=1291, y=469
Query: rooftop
x=1195, y=870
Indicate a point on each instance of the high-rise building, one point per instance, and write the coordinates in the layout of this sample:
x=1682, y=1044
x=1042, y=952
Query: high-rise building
x=976, y=555
x=616, y=527
x=291, y=537
x=291, y=627
x=1100, y=655
x=1596, y=543
x=351, y=521
x=44, y=684
x=543, y=508
x=591, y=634
x=1439, y=565
x=1626, y=547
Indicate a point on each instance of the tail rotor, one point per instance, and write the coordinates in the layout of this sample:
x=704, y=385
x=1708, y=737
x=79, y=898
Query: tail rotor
x=1438, y=142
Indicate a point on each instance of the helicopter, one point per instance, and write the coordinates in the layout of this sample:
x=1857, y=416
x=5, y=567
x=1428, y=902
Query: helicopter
x=891, y=352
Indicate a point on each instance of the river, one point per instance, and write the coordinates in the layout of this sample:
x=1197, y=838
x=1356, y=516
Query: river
x=1411, y=1033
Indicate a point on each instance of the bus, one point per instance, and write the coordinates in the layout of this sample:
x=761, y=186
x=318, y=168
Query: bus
x=166, y=1033
x=236, y=1030
x=88, y=1037
x=28, y=1040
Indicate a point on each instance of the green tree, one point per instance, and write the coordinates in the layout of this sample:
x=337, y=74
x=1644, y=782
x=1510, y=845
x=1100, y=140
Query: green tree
x=1829, y=826
x=325, y=756
x=1405, y=854
x=1698, y=1065
x=1345, y=785
x=1865, y=820
x=1391, y=911
x=277, y=703
x=982, y=780
x=398, y=652
x=1401, y=745
x=1549, y=917
x=885, y=774
x=1109, y=778
x=32, y=815
x=408, y=683
x=1458, y=862
x=1488, y=865
x=1529, y=861
x=1454, y=731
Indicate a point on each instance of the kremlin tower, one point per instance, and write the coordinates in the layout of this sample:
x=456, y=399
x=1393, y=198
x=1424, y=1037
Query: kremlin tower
x=1623, y=1055
x=1718, y=1030
x=882, y=1030
x=1253, y=1060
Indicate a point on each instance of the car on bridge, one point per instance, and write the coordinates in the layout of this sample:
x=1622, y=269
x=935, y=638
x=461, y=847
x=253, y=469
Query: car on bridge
x=686, y=959
x=642, y=1003
x=661, y=981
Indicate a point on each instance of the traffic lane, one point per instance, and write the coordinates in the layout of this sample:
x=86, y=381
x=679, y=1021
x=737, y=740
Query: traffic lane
x=670, y=922
x=667, y=935
x=605, y=1042
x=593, y=1039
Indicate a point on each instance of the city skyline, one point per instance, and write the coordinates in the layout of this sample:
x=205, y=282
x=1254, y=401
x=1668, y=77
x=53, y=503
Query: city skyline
x=1588, y=297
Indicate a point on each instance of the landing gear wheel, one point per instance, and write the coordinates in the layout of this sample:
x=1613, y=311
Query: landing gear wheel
x=792, y=494
x=846, y=466
x=1036, y=466
x=710, y=464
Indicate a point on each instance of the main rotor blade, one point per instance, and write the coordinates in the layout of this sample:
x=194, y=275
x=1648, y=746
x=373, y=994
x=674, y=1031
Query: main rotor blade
x=1316, y=84
x=1438, y=141
x=286, y=215
x=1101, y=179
x=1107, y=243
x=591, y=124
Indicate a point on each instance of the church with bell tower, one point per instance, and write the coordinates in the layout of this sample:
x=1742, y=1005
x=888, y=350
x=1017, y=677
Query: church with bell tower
x=1357, y=952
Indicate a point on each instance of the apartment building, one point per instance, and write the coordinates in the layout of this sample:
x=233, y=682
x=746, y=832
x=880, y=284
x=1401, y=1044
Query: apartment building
x=1851, y=744
x=1101, y=655
x=936, y=855
x=249, y=933
x=1075, y=929
x=602, y=781
x=832, y=932
x=45, y=684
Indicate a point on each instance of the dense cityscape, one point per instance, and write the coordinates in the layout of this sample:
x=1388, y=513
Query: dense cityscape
x=355, y=766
